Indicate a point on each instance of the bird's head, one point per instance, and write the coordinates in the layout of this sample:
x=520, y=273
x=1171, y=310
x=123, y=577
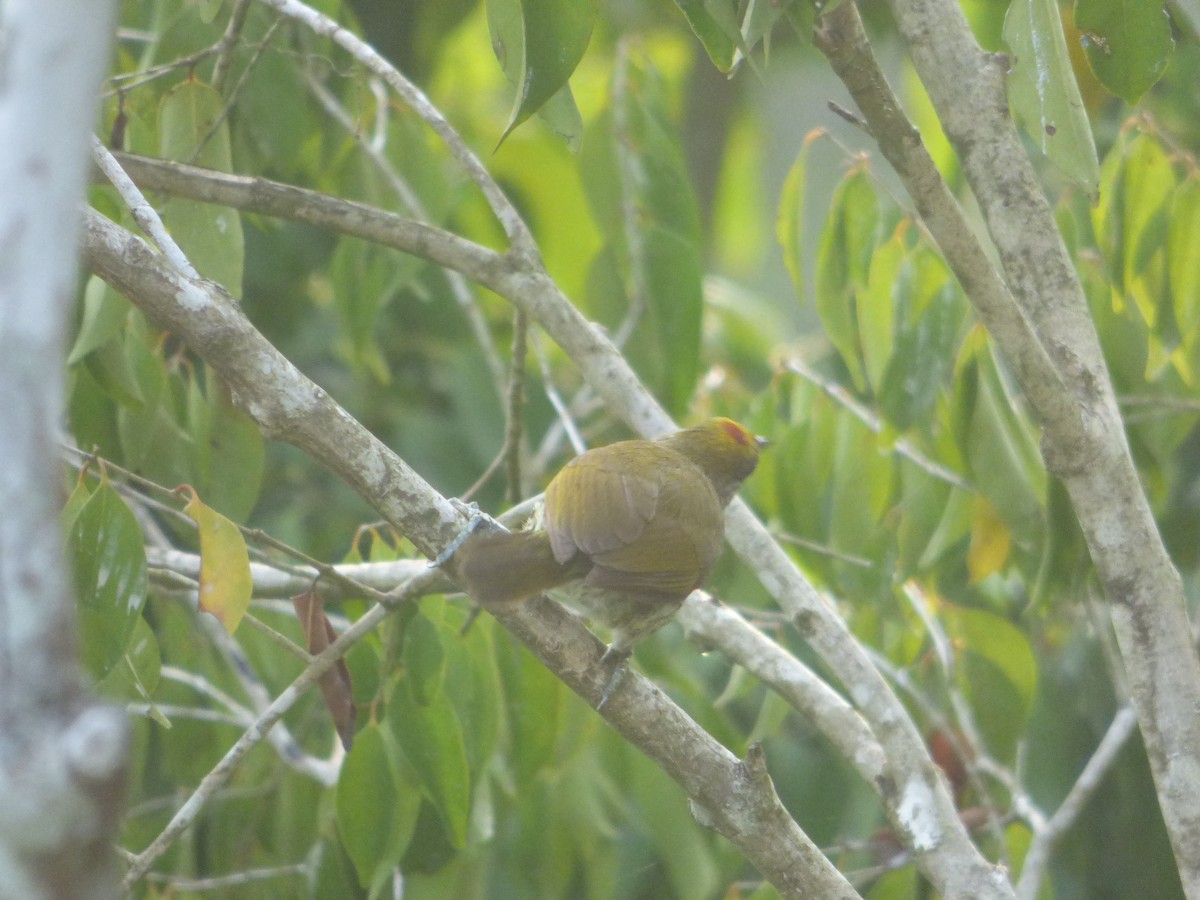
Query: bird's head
x=725, y=451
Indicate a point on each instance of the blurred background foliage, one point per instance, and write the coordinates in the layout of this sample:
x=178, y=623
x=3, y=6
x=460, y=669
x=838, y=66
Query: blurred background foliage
x=757, y=260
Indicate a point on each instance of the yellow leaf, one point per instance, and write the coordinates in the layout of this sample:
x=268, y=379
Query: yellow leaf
x=224, y=564
x=990, y=541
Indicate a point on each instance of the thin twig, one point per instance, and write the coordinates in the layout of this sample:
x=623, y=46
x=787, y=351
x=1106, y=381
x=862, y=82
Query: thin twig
x=277, y=637
x=323, y=771
x=324, y=569
x=174, y=711
x=510, y=452
x=236, y=879
x=318, y=568
x=127, y=81
x=510, y=220
x=203, y=686
x=463, y=295
x=143, y=213
x=965, y=738
x=853, y=118
x=1046, y=839
x=823, y=549
x=221, y=773
x=565, y=418
x=233, y=28
x=514, y=423
x=243, y=78
x=903, y=446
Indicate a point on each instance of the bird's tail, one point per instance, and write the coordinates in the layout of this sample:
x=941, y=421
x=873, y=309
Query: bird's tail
x=499, y=568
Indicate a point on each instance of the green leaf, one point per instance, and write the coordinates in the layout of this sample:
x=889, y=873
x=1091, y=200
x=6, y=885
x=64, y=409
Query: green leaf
x=765, y=891
x=143, y=659
x=1128, y=43
x=104, y=312
x=803, y=17
x=760, y=19
x=91, y=413
x=472, y=684
x=1133, y=227
x=276, y=114
x=862, y=486
x=1003, y=457
x=534, y=707
x=843, y=265
x=374, y=815
x=431, y=739
x=137, y=675
x=365, y=281
x=75, y=502
x=715, y=23
x=425, y=661
x=208, y=9
x=930, y=313
x=800, y=479
x=789, y=221
x=924, y=500
x=900, y=884
x=1148, y=189
x=638, y=185
x=539, y=43
x=1183, y=260
x=210, y=236
x=979, y=636
x=229, y=450
x=683, y=847
x=109, y=365
x=1043, y=91
x=1108, y=219
x=672, y=269
x=952, y=527
x=876, y=308
x=105, y=544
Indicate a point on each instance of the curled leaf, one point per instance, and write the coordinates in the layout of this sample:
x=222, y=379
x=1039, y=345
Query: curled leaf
x=224, y=563
x=336, y=686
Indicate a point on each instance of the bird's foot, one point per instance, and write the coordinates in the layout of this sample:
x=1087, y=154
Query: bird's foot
x=476, y=519
x=618, y=657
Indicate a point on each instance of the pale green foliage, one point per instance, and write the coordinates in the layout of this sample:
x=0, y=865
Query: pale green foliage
x=475, y=772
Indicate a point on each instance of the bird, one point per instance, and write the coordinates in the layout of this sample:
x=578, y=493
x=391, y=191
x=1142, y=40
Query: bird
x=624, y=533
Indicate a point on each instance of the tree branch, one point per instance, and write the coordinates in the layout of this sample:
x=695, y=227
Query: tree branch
x=62, y=756
x=1047, y=836
x=366, y=55
x=736, y=795
x=284, y=201
x=911, y=784
x=844, y=42
x=1083, y=439
x=415, y=208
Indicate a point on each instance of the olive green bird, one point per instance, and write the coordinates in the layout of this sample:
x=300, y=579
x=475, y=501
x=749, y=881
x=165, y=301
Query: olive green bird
x=625, y=532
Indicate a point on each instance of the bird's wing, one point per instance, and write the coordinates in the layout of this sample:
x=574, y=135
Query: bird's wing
x=656, y=533
x=594, y=505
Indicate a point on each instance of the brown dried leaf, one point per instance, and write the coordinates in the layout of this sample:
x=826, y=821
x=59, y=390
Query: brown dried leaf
x=336, y=686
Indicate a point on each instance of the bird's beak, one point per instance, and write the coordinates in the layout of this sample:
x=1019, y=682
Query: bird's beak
x=762, y=442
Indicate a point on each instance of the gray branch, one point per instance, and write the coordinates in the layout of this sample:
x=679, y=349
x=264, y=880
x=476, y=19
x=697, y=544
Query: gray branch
x=737, y=796
x=62, y=755
x=918, y=803
x=1083, y=436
